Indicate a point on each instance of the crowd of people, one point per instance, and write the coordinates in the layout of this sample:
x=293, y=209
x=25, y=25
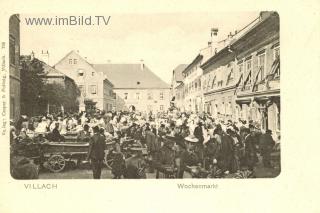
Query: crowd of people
x=176, y=142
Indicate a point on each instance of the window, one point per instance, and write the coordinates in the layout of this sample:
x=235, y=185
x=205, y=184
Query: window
x=276, y=52
x=150, y=96
x=12, y=50
x=92, y=73
x=93, y=89
x=161, y=95
x=125, y=96
x=231, y=76
x=261, y=65
x=12, y=107
x=241, y=72
x=75, y=61
x=248, y=70
x=213, y=82
x=161, y=107
x=70, y=61
x=137, y=95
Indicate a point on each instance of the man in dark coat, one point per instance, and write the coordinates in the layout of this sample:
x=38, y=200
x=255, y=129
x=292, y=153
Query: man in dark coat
x=165, y=162
x=227, y=151
x=250, y=149
x=96, y=152
x=198, y=133
x=266, y=143
x=152, y=145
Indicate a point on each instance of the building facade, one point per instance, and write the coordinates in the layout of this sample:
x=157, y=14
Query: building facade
x=193, y=94
x=242, y=80
x=136, y=85
x=179, y=96
x=177, y=78
x=258, y=54
x=14, y=68
x=219, y=84
x=94, y=87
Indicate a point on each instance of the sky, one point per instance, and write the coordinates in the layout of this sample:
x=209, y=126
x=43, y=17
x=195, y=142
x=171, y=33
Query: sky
x=162, y=41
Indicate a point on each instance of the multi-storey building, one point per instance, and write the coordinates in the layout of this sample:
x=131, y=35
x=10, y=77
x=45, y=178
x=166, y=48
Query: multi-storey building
x=193, y=94
x=242, y=80
x=219, y=83
x=177, y=85
x=96, y=89
x=14, y=69
x=136, y=85
x=258, y=62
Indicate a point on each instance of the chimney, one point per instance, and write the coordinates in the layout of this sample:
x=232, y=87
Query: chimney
x=265, y=14
x=214, y=41
x=32, y=55
x=44, y=56
x=141, y=64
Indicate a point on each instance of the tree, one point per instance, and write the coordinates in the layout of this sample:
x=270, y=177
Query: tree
x=62, y=95
x=31, y=84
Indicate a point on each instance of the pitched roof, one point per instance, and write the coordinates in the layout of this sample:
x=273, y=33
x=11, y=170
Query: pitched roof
x=198, y=58
x=131, y=76
x=178, y=71
x=50, y=71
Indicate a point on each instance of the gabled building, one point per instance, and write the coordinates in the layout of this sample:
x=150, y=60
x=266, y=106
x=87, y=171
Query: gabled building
x=96, y=89
x=177, y=85
x=136, y=85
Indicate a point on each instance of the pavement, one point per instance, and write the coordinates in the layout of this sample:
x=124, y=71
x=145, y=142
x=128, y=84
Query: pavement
x=86, y=173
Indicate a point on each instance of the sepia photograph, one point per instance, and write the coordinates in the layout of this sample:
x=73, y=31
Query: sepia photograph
x=145, y=96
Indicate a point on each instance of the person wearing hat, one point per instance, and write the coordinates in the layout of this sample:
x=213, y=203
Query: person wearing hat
x=187, y=157
x=266, y=144
x=135, y=165
x=250, y=149
x=96, y=152
x=211, y=150
x=165, y=162
x=199, y=134
x=152, y=145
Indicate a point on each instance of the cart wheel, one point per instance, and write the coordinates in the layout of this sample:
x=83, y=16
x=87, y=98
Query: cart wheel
x=108, y=159
x=56, y=163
